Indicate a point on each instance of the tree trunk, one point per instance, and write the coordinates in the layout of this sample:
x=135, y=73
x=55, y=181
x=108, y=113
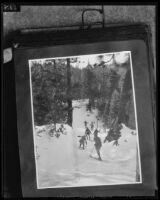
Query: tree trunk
x=69, y=99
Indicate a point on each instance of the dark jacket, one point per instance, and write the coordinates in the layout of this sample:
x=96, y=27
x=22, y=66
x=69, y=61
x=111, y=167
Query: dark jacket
x=98, y=142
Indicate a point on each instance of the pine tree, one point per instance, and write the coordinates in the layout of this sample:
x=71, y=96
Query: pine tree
x=49, y=92
x=90, y=86
x=114, y=106
x=130, y=112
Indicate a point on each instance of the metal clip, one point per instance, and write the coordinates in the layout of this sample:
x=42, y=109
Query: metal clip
x=101, y=11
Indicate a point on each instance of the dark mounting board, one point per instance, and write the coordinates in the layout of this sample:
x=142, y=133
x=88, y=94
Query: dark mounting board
x=32, y=44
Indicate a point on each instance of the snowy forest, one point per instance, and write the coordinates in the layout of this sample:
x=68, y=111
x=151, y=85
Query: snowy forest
x=107, y=85
x=78, y=103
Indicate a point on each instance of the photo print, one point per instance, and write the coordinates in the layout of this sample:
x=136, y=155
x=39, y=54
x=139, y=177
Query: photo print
x=84, y=118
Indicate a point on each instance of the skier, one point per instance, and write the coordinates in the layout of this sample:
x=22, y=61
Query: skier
x=87, y=133
x=92, y=126
x=98, y=144
x=82, y=141
x=85, y=124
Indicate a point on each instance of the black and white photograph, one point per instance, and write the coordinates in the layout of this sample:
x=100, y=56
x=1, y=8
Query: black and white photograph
x=85, y=128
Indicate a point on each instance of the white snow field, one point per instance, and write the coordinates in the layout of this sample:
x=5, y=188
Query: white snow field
x=61, y=163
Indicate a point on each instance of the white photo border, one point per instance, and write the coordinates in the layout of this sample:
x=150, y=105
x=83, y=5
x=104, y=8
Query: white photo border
x=135, y=112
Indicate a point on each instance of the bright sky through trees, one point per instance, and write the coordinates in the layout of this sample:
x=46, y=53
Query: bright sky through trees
x=83, y=61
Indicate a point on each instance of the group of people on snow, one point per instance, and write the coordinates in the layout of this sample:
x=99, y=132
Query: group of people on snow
x=113, y=135
x=86, y=136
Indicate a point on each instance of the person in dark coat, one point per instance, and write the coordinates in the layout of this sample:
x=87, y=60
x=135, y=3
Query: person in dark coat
x=85, y=124
x=98, y=144
x=82, y=142
x=92, y=126
x=87, y=133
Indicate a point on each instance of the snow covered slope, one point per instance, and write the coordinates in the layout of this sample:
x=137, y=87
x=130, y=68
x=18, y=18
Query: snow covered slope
x=61, y=163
